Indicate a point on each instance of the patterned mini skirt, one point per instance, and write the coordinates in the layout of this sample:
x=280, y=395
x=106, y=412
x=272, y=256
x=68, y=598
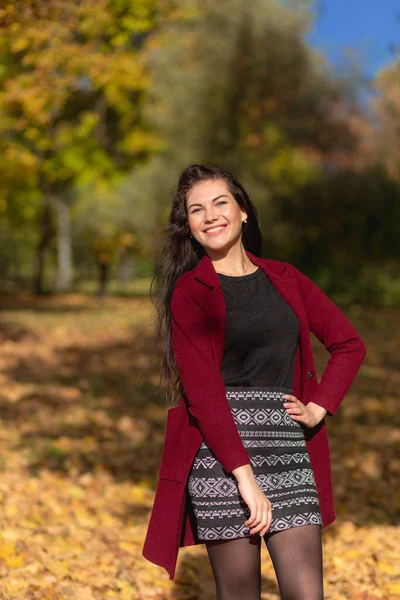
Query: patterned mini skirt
x=279, y=458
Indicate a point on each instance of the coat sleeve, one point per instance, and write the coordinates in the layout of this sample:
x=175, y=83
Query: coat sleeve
x=339, y=337
x=203, y=382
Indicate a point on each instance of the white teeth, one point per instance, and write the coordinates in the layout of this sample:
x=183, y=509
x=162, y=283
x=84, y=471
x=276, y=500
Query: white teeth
x=215, y=229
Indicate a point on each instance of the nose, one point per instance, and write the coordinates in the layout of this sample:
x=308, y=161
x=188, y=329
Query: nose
x=209, y=216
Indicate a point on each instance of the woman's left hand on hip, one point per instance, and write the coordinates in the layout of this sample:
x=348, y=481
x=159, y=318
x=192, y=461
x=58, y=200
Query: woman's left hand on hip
x=310, y=414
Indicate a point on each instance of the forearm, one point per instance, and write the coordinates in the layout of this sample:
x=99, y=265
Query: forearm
x=203, y=382
x=341, y=340
x=244, y=472
x=220, y=432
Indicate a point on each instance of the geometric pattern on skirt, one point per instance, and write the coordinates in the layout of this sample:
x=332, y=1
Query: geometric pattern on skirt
x=281, y=465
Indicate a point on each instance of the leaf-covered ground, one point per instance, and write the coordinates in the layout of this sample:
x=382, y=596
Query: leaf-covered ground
x=81, y=435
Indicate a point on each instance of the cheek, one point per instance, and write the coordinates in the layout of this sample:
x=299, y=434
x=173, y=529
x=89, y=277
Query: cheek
x=230, y=211
x=194, y=222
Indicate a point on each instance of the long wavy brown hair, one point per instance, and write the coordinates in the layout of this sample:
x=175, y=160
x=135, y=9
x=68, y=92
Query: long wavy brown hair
x=178, y=253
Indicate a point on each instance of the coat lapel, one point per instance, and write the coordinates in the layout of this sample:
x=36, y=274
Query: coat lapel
x=216, y=308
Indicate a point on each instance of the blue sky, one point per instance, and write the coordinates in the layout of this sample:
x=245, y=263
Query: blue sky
x=365, y=26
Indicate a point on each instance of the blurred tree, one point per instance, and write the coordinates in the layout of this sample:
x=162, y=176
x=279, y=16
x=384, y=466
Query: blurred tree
x=72, y=87
x=115, y=224
x=19, y=211
x=237, y=84
x=387, y=118
x=100, y=227
x=147, y=87
x=352, y=223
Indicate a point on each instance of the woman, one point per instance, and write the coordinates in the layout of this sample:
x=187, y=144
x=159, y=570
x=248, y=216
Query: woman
x=246, y=454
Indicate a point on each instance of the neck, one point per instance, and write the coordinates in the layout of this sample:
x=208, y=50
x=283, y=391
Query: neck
x=235, y=262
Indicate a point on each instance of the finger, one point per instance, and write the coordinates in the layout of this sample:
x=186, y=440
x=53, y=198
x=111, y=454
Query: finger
x=253, y=513
x=302, y=419
x=291, y=404
x=262, y=520
x=293, y=408
x=298, y=410
x=290, y=398
x=268, y=523
x=298, y=416
x=257, y=519
x=266, y=511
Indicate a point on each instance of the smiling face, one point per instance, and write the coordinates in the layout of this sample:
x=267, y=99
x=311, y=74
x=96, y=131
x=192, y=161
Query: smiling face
x=214, y=217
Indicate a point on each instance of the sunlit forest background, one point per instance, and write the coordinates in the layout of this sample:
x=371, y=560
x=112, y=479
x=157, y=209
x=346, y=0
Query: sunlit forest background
x=102, y=104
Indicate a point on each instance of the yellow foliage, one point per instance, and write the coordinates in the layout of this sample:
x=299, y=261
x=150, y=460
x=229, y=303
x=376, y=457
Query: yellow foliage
x=79, y=517
x=62, y=54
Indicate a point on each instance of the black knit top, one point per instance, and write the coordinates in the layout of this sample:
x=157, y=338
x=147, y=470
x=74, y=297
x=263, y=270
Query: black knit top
x=262, y=333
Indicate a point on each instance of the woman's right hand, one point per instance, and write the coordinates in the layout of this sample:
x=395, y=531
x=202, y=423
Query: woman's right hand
x=258, y=503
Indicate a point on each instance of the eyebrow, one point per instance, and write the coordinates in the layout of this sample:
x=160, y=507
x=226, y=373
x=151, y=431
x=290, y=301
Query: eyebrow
x=213, y=200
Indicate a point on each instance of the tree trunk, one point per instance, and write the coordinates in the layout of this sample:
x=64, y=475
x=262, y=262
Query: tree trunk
x=126, y=266
x=104, y=277
x=46, y=235
x=64, y=250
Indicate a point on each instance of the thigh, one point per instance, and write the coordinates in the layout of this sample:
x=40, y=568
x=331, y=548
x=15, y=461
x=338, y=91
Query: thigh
x=296, y=554
x=236, y=566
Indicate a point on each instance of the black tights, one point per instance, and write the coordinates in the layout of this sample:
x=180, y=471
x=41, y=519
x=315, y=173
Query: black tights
x=296, y=554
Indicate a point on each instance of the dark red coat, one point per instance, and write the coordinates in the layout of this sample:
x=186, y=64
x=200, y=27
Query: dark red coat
x=198, y=336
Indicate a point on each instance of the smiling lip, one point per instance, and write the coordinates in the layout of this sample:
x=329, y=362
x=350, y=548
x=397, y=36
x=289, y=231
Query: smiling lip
x=220, y=228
